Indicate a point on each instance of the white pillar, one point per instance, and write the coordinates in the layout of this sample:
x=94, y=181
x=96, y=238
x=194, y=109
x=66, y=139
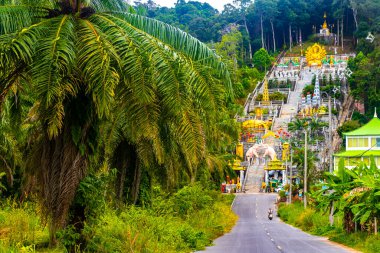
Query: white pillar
x=241, y=177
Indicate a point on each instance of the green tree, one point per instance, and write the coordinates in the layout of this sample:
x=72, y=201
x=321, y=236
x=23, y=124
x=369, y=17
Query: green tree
x=262, y=60
x=267, y=11
x=243, y=6
x=88, y=60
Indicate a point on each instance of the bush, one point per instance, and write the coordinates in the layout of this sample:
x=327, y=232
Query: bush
x=317, y=222
x=192, y=219
x=190, y=199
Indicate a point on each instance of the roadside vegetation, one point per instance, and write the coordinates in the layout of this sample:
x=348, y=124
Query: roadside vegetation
x=352, y=197
x=317, y=223
x=183, y=222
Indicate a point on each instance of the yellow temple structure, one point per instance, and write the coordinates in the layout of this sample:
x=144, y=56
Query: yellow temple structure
x=266, y=93
x=325, y=30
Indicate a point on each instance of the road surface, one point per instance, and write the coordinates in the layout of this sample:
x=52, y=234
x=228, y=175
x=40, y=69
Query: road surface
x=254, y=233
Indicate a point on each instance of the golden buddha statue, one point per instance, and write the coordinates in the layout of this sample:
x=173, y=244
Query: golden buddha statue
x=315, y=54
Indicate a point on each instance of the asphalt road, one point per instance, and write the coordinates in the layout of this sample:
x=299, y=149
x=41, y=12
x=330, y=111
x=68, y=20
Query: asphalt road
x=255, y=233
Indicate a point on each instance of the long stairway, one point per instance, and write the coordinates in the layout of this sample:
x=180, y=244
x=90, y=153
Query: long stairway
x=255, y=172
x=254, y=178
x=290, y=109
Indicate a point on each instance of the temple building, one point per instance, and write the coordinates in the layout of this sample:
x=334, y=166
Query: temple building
x=325, y=30
x=361, y=144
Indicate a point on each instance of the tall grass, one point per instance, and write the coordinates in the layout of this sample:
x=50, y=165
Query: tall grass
x=317, y=222
x=20, y=227
x=186, y=221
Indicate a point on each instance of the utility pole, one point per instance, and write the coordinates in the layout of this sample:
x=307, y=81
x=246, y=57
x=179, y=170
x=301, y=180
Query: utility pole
x=305, y=173
x=330, y=138
x=286, y=171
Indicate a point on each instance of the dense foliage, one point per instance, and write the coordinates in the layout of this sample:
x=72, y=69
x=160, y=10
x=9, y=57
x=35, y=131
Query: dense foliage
x=317, y=222
x=184, y=222
x=364, y=82
x=267, y=23
x=90, y=86
x=353, y=192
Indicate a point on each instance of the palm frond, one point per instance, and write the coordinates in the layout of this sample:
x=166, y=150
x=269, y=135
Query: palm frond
x=97, y=60
x=179, y=41
x=55, y=63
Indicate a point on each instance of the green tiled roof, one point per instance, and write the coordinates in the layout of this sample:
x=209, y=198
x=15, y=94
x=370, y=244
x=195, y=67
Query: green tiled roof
x=358, y=153
x=371, y=128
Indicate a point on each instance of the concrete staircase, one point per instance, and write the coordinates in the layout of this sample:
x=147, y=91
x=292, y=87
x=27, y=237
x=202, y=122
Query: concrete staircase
x=290, y=109
x=254, y=178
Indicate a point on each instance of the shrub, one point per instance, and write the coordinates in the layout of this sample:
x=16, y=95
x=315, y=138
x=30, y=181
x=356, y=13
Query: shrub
x=190, y=199
x=193, y=218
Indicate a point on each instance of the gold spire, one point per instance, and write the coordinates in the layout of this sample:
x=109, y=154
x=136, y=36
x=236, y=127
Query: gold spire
x=324, y=26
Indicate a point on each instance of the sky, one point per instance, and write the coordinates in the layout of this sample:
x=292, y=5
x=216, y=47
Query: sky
x=218, y=4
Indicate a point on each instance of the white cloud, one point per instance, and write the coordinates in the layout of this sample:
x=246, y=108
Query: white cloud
x=218, y=4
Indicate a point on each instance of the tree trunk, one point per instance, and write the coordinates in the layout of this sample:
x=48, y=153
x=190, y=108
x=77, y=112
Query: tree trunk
x=337, y=35
x=136, y=183
x=349, y=224
x=262, y=31
x=355, y=13
x=273, y=36
x=290, y=37
x=249, y=41
x=375, y=225
x=342, y=31
x=331, y=217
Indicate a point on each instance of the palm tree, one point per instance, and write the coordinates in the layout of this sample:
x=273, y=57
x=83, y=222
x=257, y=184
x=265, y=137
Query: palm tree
x=90, y=61
x=297, y=124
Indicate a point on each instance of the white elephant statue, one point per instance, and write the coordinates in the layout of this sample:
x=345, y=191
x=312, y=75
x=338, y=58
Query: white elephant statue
x=252, y=153
x=271, y=153
x=260, y=151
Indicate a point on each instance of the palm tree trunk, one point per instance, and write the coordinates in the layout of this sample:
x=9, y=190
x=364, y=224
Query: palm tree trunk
x=273, y=36
x=136, y=183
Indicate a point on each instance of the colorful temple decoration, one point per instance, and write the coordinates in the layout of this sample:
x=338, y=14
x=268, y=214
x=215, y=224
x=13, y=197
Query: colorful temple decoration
x=317, y=93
